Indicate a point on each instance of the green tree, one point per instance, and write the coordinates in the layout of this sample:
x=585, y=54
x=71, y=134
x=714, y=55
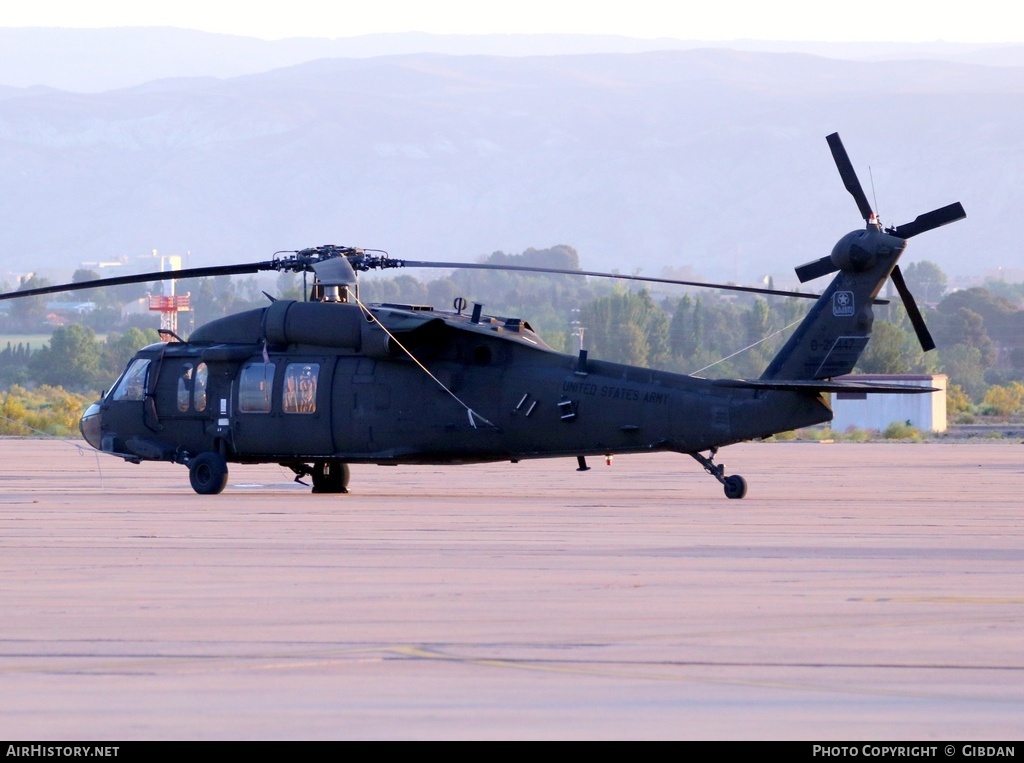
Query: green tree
x=999, y=315
x=894, y=347
x=216, y=297
x=119, y=349
x=29, y=313
x=962, y=364
x=926, y=281
x=441, y=293
x=71, y=360
x=289, y=286
x=1013, y=292
x=83, y=275
x=964, y=326
x=627, y=328
x=14, y=364
x=108, y=298
x=685, y=329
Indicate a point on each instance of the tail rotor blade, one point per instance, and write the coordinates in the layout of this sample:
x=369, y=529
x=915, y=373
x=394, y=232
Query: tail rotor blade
x=849, y=176
x=916, y=319
x=930, y=220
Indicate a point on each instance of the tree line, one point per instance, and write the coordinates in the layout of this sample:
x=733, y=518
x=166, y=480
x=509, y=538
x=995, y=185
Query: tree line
x=979, y=331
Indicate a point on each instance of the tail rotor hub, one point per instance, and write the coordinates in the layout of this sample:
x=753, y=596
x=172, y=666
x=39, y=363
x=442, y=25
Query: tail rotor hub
x=860, y=250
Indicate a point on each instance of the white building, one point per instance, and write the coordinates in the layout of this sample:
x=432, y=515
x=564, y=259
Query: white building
x=876, y=410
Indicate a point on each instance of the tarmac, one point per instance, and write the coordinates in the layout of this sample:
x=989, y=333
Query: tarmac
x=859, y=592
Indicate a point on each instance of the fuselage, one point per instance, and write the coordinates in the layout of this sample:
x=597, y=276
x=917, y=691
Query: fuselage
x=472, y=390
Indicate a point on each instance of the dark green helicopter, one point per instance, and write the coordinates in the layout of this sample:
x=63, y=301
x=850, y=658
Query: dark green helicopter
x=318, y=385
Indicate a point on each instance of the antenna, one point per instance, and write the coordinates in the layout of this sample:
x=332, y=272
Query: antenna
x=874, y=198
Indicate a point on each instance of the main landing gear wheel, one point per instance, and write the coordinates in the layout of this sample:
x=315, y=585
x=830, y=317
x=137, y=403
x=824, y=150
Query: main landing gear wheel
x=330, y=477
x=208, y=473
x=735, y=486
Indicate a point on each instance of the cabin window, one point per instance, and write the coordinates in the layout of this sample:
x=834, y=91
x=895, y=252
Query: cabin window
x=133, y=384
x=185, y=388
x=299, y=390
x=254, y=388
x=199, y=387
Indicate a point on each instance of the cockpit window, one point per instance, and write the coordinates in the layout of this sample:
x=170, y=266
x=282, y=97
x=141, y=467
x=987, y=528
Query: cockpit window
x=199, y=394
x=132, y=385
x=185, y=387
x=192, y=387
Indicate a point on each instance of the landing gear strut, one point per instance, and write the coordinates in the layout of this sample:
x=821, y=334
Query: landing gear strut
x=735, y=486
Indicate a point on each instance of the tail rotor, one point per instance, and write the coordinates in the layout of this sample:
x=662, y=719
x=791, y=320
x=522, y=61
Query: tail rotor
x=857, y=252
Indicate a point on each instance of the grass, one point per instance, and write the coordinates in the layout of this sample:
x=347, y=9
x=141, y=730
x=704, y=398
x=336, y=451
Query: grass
x=35, y=341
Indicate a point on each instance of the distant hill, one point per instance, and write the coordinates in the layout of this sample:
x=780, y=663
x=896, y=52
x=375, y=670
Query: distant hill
x=96, y=60
x=712, y=159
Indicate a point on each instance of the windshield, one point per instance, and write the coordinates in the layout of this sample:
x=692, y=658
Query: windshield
x=132, y=384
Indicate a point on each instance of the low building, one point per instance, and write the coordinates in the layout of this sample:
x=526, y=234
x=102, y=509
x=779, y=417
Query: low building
x=877, y=411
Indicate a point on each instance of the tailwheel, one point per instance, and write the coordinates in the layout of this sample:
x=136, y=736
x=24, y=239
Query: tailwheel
x=208, y=473
x=735, y=486
x=330, y=477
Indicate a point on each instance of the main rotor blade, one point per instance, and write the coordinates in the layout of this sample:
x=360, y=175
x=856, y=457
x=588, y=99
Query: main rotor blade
x=929, y=220
x=163, y=275
x=923, y=335
x=561, y=271
x=849, y=176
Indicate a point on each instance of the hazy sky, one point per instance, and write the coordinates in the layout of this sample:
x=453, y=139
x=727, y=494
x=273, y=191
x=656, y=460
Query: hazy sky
x=864, y=20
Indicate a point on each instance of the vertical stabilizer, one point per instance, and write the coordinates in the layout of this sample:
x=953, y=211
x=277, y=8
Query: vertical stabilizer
x=835, y=332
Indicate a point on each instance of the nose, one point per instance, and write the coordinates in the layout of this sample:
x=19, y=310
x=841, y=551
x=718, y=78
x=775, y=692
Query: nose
x=90, y=425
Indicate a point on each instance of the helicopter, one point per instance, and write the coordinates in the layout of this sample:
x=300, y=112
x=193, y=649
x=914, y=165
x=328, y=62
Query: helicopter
x=319, y=384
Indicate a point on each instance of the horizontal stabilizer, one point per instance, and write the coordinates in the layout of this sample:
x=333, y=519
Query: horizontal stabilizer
x=822, y=385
